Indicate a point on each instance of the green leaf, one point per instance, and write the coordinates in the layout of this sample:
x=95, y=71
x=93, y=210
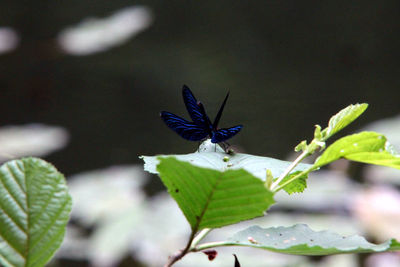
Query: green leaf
x=301, y=240
x=35, y=207
x=221, y=161
x=383, y=158
x=296, y=186
x=210, y=198
x=343, y=118
x=367, y=147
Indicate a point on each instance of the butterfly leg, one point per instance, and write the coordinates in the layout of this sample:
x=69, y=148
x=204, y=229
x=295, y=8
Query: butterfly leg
x=222, y=145
x=225, y=146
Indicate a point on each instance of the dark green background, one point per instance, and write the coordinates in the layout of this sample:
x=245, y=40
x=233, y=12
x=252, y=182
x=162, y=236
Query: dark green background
x=287, y=64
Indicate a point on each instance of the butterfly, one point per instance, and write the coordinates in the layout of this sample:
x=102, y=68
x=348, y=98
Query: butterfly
x=201, y=127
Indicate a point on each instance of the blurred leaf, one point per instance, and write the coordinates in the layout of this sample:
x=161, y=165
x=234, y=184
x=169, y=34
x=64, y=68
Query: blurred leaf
x=367, y=147
x=296, y=186
x=35, y=207
x=96, y=35
x=210, y=198
x=326, y=190
x=301, y=240
x=221, y=161
x=376, y=209
x=106, y=194
x=32, y=139
x=112, y=203
x=112, y=240
x=344, y=118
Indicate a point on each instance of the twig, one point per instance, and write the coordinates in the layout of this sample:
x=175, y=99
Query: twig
x=193, y=241
x=289, y=169
x=199, y=237
x=178, y=255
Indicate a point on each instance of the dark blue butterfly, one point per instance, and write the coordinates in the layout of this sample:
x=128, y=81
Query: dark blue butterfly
x=201, y=127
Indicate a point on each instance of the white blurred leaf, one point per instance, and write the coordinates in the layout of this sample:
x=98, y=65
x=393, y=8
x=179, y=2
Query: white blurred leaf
x=378, y=210
x=9, y=39
x=327, y=190
x=162, y=230
x=102, y=194
x=95, y=35
x=383, y=260
x=30, y=140
x=112, y=201
x=112, y=240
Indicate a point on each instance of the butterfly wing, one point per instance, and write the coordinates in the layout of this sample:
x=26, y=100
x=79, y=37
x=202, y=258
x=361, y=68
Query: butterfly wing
x=216, y=120
x=222, y=135
x=187, y=130
x=193, y=107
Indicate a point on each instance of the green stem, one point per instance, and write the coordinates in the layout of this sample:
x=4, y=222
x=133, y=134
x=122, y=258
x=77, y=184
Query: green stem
x=213, y=245
x=179, y=255
x=275, y=185
x=294, y=178
x=200, y=237
x=190, y=246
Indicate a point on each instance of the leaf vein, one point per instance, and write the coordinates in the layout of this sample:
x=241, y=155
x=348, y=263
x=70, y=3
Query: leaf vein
x=52, y=222
x=11, y=195
x=11, y=245
x=16, y=180
x=4, y=259
x=13, y=220
x=43, y=208
x=253, y=195
x=55, y=238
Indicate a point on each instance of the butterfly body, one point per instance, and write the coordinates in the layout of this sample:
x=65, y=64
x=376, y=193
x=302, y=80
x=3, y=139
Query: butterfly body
x=200, y=127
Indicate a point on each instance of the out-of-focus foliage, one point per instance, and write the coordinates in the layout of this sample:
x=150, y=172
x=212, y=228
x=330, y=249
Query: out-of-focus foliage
x=8, y=39
x=30, y=140
x=285, y=63
x=98, y=35
x=111, y=201
x=378, y=210
x=160, y=216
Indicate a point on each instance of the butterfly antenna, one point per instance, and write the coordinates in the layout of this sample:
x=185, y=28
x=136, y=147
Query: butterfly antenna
x=216, y=121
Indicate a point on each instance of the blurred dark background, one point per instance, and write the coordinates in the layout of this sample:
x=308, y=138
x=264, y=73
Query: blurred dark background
x=103, y=70
x=287, y=64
